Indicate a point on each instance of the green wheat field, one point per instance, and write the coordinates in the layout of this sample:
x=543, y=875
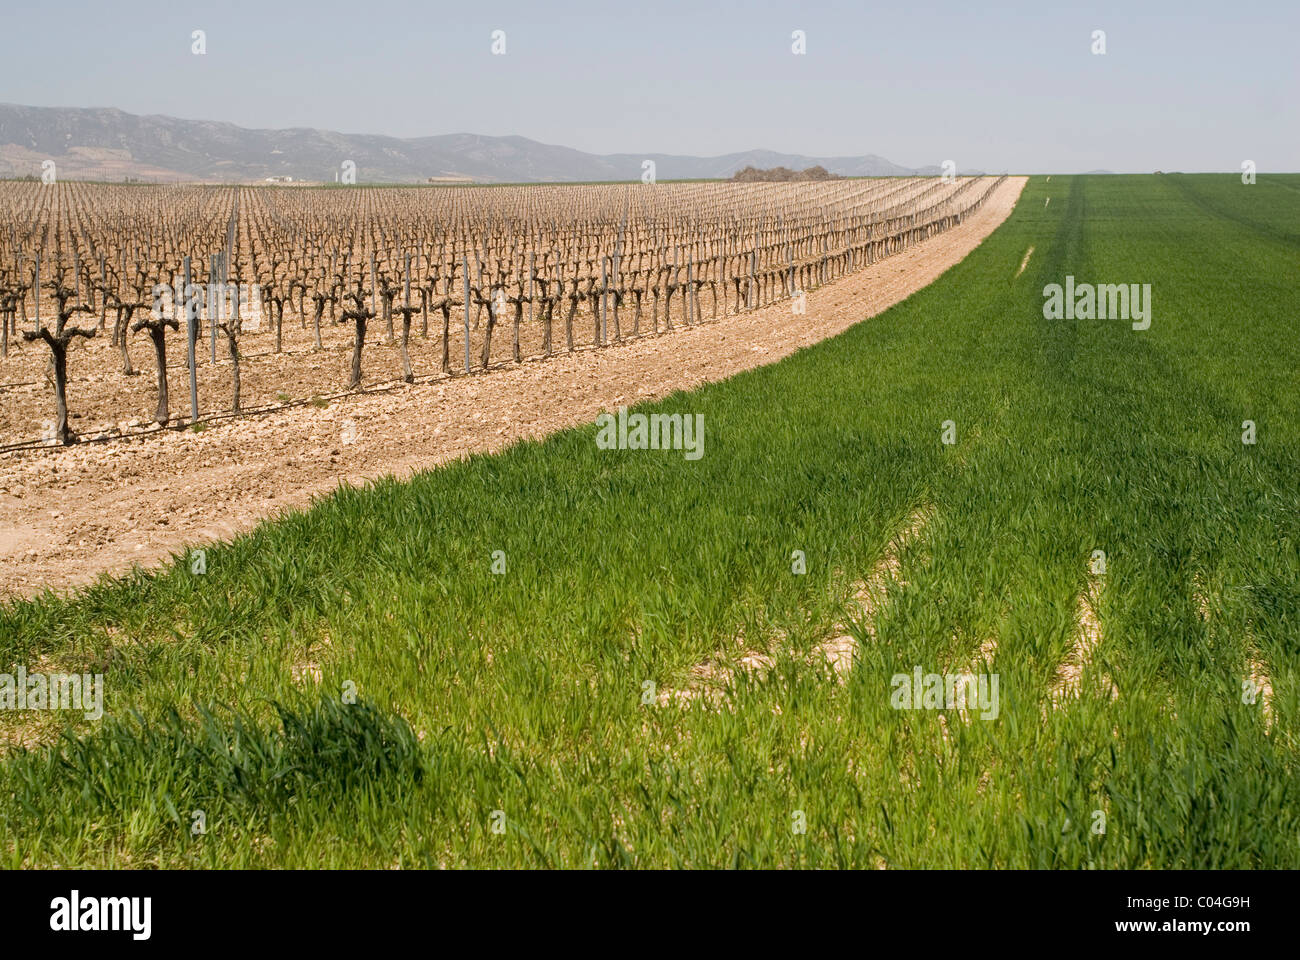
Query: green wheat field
x=353, y=686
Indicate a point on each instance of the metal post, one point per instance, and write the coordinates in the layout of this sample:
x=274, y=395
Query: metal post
x=191, y=337
x=668, y=301
x=220, y=284
x=618, y=246
x=211, y=297
x=690, y=260
x=374, y=290
x=465, y=265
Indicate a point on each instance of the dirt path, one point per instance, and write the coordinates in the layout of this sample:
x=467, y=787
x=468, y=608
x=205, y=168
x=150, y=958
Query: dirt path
x=67, y=515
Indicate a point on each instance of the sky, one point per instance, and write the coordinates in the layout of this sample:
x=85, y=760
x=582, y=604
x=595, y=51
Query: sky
x=994, y=86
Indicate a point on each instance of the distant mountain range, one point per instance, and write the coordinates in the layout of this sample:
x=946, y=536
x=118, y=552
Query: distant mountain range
x=109, y=144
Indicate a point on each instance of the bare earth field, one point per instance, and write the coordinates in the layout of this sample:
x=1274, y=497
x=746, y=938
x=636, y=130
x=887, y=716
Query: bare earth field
x=69, y=514
x=105, y=401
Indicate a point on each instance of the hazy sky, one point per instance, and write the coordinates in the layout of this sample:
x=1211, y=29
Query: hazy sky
x=996, y=86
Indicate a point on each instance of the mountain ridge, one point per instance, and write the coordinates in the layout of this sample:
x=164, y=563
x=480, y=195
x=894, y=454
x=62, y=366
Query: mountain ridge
x=109, y=143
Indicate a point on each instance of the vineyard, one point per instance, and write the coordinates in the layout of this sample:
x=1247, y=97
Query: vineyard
x=287, y=296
